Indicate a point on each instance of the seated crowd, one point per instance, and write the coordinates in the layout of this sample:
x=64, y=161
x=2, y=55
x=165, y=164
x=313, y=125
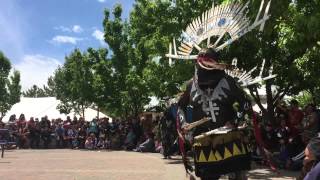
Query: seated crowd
x=286, y=139
x=283, y=142
x=79, y=134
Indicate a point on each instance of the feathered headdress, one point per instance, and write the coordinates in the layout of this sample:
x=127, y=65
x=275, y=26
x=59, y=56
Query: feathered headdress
x=226, y=24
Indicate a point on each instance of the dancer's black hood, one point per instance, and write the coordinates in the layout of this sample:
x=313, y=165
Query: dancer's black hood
x=209, y=78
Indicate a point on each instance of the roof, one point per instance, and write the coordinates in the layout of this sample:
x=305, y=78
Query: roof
x=40, y=107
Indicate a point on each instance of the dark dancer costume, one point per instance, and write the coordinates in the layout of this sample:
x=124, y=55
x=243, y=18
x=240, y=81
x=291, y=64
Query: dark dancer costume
x=214, y=96
x=167, y=127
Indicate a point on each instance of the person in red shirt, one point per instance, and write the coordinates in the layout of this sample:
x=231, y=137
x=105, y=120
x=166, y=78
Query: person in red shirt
x=295, y=118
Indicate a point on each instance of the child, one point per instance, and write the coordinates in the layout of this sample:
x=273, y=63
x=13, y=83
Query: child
x=101, y=143
x=91, y=142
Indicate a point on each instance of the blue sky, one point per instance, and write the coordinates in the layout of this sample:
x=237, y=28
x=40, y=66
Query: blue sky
x=36, y=35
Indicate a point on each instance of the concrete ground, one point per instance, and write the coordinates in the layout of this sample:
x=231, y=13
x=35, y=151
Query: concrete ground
x=105, y=165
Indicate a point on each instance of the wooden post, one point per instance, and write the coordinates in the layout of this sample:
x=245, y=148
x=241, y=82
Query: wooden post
x=98, y=111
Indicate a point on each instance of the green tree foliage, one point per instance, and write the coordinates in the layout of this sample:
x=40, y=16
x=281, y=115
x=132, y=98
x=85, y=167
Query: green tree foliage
x=14, y=88
x=136, y=68
x=292, y=35
x=49, y=89
x=10, y=89
x=102, y=76
x=74, y=83
x=289, y=44
x=36, y=92
x=129, y=91
x=5, y=67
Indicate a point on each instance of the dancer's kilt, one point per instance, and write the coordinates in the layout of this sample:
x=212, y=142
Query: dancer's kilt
x=220, y=154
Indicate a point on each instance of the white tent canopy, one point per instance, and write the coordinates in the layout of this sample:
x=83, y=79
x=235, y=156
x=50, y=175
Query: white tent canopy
x=47, y=106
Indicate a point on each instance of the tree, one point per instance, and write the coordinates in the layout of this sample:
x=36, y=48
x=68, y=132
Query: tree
x=50, y=87
x=289, y=43
x=5, y=67
x=62, y=91
x=137, y=60
x=14, y=88
x=128, y=91
x=35, y=92
x=46, y=90
x=286, y=43
x=10, y=89
x=305, y=35
x=74, y=83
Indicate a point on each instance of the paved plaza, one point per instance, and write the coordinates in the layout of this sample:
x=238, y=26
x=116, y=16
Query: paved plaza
x=95, y=165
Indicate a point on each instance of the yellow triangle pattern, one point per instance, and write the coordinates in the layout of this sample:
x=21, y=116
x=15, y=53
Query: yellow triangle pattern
x=227, y=153
x=236, y=150
x=218, y=156
x=243, y=149
x=212, y=158
x=202, y=158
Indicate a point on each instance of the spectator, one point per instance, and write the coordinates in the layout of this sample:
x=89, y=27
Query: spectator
x=91, y=142
x=281, y=112
x=93, y=128
x=148, y=145
x=269, y=138
x=107, y=143
x=311, y=120
x=31, y=126
x=68, y=120
x=295, y=116
x=74, y=121
x=59, y=134
x=21, y=123
x=129, y=143
x=37, y=133
x=72, y=137
x=283, y=138
x=101, y=143
x=311, y=165
x=115, y=139
x=12, y=119
x=22, y=131
x=82, y=136
x=137, y=130
x=45, y=126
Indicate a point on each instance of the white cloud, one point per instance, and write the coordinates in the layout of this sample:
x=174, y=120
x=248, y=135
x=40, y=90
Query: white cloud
x=77, y=29
x=74, y=28
x=99, y=35
x=63, y=29
x=102, y=1
x=66, y=39
x=35, y=69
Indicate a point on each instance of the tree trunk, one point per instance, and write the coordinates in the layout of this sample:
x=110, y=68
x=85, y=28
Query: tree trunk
x=270, y=107
x=82, y=108
x=254, y=93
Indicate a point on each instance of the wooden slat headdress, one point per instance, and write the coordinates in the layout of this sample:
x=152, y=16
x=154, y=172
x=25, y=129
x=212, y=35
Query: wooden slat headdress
x=225, y=23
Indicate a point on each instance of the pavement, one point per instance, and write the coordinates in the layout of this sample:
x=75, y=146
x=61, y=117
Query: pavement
x=65, y=164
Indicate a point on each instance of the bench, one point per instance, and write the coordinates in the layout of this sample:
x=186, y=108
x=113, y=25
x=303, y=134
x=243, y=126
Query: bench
x=4, y=140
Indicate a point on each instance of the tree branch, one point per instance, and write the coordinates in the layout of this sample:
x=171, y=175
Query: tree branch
x=256, y=97
x=279, y=97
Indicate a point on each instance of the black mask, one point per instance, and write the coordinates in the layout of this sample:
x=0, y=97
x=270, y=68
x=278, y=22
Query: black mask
x=209, y=78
